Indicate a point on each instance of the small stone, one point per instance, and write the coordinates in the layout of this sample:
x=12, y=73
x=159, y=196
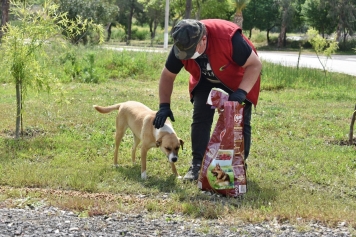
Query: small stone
x=18, y=231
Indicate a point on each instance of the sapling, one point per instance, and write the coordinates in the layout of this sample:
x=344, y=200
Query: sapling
x=24, y=47
x=322, y=46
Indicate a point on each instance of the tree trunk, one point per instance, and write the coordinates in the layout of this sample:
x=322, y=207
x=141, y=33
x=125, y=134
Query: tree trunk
x=345, y=36
x=351, y=134
x=188, y=9
x=153, y=28
x=156, y=23
x=197, y=16
x=129, y=25
x=5, y=7
x=281, y=36
x=108, y=29
x=238, y=19
x=286, y=14
x=18, y=110
x=338, y=32
x=150, y=24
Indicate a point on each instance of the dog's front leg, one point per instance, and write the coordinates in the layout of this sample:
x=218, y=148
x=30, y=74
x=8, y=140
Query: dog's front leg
x=144, y=151
x=174, y=169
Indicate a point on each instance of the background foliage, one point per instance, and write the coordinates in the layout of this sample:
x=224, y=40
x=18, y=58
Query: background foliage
x=285, y=17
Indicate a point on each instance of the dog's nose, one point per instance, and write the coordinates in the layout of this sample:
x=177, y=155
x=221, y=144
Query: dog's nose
x=174, y=159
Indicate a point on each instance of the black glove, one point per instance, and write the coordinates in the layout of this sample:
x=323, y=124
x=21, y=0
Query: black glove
x=239, y=95
x=163, y=113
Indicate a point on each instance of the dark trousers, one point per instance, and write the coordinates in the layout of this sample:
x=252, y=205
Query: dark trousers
x=203, y=117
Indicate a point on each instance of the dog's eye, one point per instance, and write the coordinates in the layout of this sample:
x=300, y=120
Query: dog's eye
x=168, y=149
x=177, y=148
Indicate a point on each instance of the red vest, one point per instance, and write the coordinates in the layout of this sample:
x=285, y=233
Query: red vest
x=219, y=52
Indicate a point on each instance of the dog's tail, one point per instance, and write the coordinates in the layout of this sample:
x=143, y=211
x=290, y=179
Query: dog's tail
x=107, y=109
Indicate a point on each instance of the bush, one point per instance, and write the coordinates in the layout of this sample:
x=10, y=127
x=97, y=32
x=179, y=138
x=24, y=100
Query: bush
x=348, y=45
x=258, y=37
x=296, y=44
x=118, y=34
x=139, y=34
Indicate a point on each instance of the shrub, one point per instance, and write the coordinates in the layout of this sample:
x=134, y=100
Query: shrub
x=258, y=37
x=118, y=34
x=348, y=45
x=139, y=34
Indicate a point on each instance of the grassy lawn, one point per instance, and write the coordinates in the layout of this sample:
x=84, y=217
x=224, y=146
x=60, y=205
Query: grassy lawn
x=300, y=169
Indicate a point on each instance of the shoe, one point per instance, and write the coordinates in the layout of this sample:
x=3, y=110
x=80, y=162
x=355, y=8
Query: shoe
x=192, y=174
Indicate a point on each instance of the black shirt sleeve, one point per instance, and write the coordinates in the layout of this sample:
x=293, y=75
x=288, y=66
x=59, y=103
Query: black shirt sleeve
x=173, y=64
x=241, y=49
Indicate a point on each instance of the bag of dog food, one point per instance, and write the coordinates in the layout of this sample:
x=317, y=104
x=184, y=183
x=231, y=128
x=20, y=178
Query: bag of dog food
x=223, y=168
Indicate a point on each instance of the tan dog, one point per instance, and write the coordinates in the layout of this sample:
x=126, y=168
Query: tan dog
x=139, y=118
x=222, y=178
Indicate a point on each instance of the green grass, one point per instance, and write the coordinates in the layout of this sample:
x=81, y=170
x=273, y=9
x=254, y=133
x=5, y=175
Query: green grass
x=298, y=171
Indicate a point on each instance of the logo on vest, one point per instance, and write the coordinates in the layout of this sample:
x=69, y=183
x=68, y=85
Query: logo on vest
x=222, y=68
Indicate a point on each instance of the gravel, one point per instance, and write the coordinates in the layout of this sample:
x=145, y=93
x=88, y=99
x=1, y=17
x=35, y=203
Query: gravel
x=52, y=221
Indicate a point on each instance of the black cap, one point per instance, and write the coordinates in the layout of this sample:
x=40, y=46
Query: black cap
x=186, y=36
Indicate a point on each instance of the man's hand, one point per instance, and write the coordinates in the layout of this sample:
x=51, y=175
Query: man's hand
x=163, y=113
x=239, y=95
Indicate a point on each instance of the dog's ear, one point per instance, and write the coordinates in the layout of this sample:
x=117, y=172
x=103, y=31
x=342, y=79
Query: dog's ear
x=181, y=143
x=159, y=142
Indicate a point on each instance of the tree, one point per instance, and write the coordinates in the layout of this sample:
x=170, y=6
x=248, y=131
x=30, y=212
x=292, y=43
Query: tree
x=127, y=10
x=297, y=21
x=203, y=9
x=286, y=15
x=24, y=47
x=154, y=13
x=221, y=9
x=351, y=133
x=250, y=16
x=343, y=12
x=316, y=14
x=353, y=118
x=176, y=11
x=261, y=14
x=100, y=12
x=239, y=5
x=5, y=6
x=188, y=9
x=321, y=46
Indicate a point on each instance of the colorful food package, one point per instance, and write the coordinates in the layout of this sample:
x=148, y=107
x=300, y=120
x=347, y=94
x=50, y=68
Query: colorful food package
x=223, y=168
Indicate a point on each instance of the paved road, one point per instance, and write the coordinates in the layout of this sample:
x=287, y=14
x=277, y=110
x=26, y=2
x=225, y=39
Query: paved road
x=337, y=63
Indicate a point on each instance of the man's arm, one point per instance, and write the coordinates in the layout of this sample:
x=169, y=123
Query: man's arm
x=244, y=56
x=253, y=67
x=166, y=86
x=165, y=91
